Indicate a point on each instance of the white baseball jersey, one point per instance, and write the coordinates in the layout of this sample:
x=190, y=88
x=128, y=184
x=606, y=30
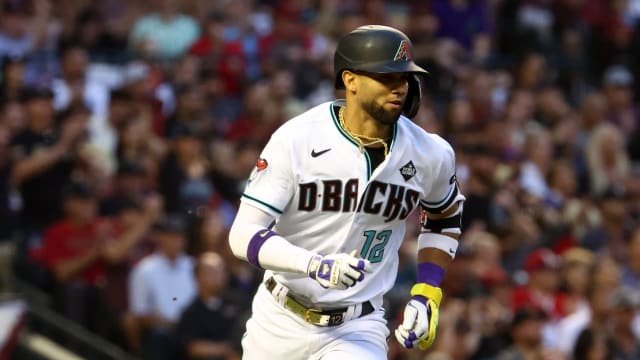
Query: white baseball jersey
x=325, y=196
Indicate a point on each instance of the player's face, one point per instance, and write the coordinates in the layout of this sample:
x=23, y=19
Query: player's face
x=382, y=96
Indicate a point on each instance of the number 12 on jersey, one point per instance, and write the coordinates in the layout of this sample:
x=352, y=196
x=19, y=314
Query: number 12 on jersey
x=374, y=253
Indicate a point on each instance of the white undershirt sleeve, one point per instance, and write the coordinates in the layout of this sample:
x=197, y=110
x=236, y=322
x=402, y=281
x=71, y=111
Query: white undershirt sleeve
x=275, y=253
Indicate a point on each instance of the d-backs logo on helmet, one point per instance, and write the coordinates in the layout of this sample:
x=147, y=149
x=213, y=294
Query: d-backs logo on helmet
x=403, y=52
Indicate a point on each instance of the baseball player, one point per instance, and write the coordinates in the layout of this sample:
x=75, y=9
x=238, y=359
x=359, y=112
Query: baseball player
x=324, y=213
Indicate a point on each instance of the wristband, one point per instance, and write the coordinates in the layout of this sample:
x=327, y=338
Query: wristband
x=256, y=242
x=432, y=293
x=430, y=273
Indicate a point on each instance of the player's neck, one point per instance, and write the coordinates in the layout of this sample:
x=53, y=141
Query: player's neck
x=359, y=122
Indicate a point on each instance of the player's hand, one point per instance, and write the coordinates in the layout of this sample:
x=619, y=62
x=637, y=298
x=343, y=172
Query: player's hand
x=338, y=271
x=418, y=328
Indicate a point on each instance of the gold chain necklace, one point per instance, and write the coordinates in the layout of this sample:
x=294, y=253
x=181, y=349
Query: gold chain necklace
x=358, y=137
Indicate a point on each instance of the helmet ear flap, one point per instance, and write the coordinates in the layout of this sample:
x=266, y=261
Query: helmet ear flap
x=412, y=103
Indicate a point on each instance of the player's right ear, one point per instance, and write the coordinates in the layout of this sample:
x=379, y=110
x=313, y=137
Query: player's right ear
x=349, y=80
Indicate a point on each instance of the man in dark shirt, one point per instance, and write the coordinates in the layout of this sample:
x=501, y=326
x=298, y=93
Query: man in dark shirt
x=207, y=326
x=43, y=159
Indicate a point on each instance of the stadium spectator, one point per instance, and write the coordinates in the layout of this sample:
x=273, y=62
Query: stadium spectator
x=631, y=270
x=74, y=250
x=207, y=326
x=165, y=34
x=43, y=161
x=184, y=174
x=104, y=130
x=623, y=341
x=161, y=286
x=7, y=209
x=15, y=38
x=128, y=186
x=13, y=78
x=591, y=345
x=130, y=228
x=541, y=290
x=74, y=86
x=526, y=330
x=617, y=86
x=139, y=144
x=604, y=278
x=576, y=264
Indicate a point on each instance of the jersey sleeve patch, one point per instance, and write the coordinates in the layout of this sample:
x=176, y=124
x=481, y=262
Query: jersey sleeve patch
x=261, y=164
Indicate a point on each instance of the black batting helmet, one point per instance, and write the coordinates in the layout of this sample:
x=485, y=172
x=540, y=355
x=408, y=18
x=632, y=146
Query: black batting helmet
x=379, y=49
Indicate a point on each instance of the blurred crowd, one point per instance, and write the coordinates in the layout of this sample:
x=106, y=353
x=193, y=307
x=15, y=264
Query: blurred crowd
x=128, y=128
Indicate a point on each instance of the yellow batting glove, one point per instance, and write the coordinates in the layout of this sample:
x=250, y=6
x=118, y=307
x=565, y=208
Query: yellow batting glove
x=420, y=317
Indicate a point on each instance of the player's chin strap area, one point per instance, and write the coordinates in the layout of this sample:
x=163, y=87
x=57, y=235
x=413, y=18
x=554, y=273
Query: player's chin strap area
x=318, y=317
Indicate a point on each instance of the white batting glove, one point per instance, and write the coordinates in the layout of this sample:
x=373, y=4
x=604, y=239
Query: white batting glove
x=421, y=315
x=338, y=271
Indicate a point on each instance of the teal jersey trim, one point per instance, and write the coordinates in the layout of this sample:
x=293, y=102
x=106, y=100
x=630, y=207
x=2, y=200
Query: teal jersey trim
x=263, y=203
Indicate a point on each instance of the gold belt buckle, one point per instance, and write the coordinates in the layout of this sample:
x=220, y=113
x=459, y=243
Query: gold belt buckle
x=312, y=316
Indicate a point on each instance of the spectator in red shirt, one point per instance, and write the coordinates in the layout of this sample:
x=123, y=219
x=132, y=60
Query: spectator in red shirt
x=72, y=252
x=209, y=45
x=541, y=290
x=79, y=249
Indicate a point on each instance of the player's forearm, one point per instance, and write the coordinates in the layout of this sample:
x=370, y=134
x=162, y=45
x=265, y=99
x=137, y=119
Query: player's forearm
x=434, y=256
x=251, y=240
x=275, y=253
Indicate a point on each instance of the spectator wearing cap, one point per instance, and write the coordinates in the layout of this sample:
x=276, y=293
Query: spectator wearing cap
x=617, y=87
x=541, y=289
x=190, y=111
x=184, y=178
x=526, y=334
x=128, y=186
x=130, y=224
x=164, y=34
x=161, y=286
x=208, y=325
x=624, y=343
x=609, y=236
x=73, y=251
x=79, y=251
